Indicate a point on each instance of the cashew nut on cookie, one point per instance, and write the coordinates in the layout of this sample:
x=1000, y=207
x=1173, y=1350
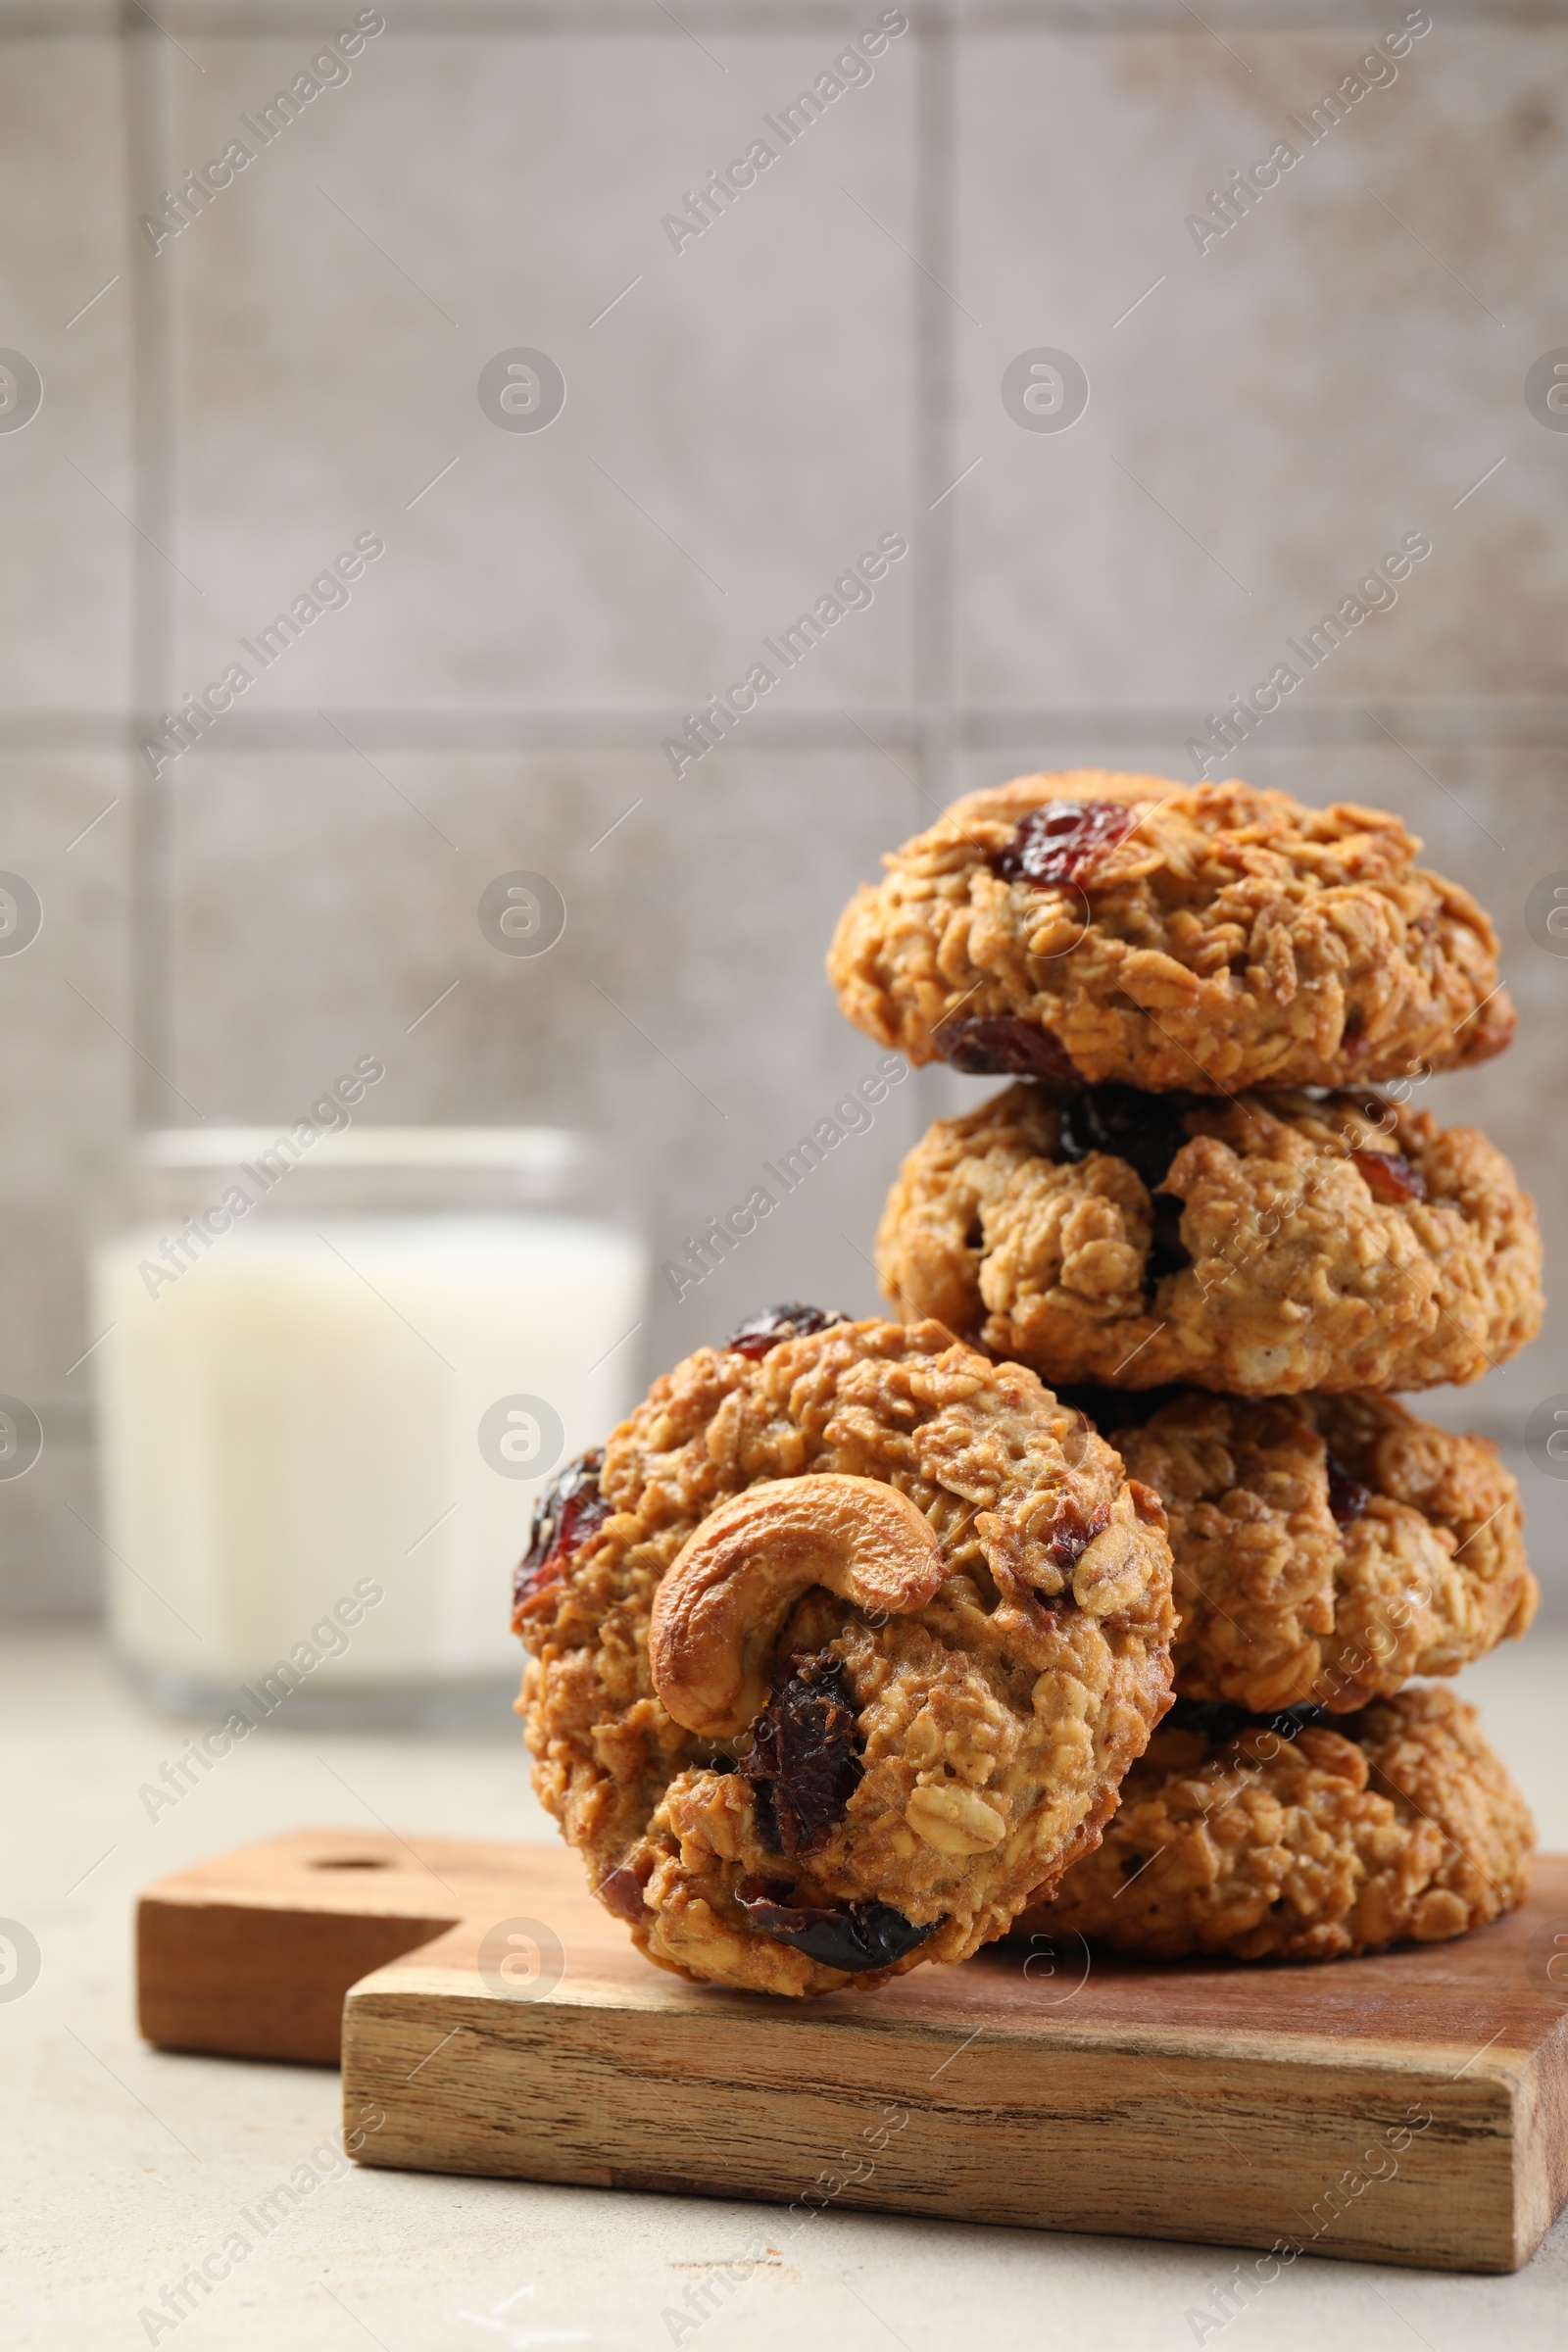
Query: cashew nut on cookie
x=717, y=1612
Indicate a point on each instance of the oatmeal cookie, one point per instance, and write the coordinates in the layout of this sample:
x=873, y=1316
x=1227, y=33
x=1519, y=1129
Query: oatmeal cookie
x=839, y=1653
x=1127, y=928
x=1262, y=1246
x=1325, y=1548
x=1398, y=1826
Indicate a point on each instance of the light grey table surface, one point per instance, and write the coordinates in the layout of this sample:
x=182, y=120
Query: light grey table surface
x=123, y=2167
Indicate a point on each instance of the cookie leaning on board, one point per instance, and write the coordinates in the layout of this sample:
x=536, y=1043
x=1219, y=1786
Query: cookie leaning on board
x=1098, y=927
x=839, y=1651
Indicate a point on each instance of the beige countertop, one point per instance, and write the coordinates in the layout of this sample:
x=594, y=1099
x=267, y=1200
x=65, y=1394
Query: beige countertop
x=124, y=2167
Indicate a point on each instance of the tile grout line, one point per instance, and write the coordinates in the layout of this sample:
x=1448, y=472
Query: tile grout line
x=932, y=526
x=220, y=19
x=1502, y=722
x=145, y=94
x=931, y=709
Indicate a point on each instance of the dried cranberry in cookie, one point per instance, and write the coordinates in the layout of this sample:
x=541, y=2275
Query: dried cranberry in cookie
x=854, y=1937
x=1390, y=1176
x=760, y=1332
x=1202, y=938
x=1061, y=840
x=1000, y=1045
x=565, y=1515
x=1348, y=1497
x=803, y=1763
x=1147, y=1131
x=1218, y=1721
x=853, y=1663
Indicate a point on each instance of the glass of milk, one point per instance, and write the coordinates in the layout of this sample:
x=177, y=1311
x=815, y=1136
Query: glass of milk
x=335, y=1371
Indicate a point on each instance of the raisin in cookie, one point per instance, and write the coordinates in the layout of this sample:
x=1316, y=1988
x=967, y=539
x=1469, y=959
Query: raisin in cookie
x=1262, y=1246
x=1325, y=1548
x=1398, y=1826
x=839, y=1653
x=1126, y=928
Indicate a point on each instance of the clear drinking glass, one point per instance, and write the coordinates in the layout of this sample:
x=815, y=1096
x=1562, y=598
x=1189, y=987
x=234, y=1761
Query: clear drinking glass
x=334, y=1374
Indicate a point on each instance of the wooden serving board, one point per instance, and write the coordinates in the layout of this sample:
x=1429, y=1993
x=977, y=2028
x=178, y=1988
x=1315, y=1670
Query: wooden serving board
x=492, y=2019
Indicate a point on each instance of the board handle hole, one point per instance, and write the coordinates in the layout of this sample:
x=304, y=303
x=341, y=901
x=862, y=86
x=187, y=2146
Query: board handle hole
x=352, y=1862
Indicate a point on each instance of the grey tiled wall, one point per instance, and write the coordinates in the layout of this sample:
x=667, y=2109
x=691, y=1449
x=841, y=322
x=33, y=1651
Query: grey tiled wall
x=820, y=368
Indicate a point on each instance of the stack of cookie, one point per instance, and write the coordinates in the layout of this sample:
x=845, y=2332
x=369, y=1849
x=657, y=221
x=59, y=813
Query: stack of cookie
x=1086, y=1594
x=1209, y=1212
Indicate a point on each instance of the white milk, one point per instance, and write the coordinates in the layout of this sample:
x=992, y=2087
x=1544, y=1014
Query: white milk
x=299, y=1413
